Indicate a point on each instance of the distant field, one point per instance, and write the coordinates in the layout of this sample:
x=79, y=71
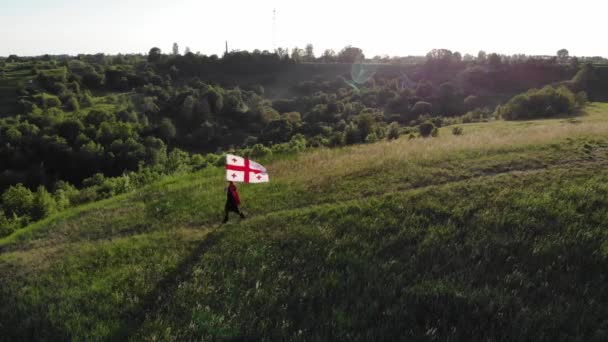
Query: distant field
x=12, y=76
x=9, y=84
x=498, y=234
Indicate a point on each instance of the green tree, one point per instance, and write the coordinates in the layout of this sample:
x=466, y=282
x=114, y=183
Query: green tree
x=175, y=49
x=297, y=54
x=350, y=54
x=98, y=116
x=329, y=56
x=154, y=56
x=309, y=54
x=563, y=55
x=494, y=60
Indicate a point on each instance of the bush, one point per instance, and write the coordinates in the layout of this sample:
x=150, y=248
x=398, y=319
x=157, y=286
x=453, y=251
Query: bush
x=95, y=180
x=426, y=128
x=259, y=150
x=392, y=131
x=17, y=200
x=435, y=132
x=581, y=99
x=64, y=194
x=7, y=225
x=352, y=134
x=297, y=143
x=457, y=130
x=336, y=139
x=371, y=138
x=177, y=160
x=220, y=161
x=43, y=204
x=546, y=102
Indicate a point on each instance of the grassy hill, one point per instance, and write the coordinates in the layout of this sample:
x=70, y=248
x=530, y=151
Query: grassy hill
x=497, y=234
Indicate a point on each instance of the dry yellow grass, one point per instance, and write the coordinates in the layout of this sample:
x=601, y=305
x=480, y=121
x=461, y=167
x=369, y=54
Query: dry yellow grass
x=321, y=165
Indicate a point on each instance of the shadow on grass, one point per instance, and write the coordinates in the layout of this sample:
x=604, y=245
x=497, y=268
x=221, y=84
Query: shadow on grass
x=162, y=292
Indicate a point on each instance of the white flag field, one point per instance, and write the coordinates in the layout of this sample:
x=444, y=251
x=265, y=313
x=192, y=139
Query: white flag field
x=239, y=169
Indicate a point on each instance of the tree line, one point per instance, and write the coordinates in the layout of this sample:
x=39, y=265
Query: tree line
x=89, y=121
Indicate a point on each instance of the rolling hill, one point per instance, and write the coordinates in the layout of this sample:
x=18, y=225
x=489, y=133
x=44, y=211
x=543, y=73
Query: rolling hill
x=498, y=234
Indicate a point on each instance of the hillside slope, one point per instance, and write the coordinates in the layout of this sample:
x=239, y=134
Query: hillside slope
x=498, y=234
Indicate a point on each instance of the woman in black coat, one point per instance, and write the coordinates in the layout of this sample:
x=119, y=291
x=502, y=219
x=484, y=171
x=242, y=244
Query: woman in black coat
x=232, y=201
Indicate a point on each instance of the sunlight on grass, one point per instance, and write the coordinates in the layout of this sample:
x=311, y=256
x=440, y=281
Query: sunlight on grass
x=320, y=165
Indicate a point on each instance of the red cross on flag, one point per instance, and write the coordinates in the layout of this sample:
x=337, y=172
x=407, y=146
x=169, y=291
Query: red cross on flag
x=239, y=169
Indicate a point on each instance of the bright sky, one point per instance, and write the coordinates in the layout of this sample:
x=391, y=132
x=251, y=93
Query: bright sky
x=36, y=27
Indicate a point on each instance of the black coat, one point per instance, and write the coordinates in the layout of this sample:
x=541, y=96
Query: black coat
x=231, y=203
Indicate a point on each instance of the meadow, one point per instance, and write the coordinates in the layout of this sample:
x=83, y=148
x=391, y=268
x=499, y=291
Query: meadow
x=498, y=234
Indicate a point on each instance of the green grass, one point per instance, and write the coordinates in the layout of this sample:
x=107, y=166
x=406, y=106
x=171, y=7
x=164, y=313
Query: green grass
x=498, y=234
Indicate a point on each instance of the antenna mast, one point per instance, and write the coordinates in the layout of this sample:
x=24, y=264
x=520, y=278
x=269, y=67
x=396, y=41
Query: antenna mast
x=274, y=29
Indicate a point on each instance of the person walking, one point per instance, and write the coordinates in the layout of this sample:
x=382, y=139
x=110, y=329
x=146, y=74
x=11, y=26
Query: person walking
x=232, y=202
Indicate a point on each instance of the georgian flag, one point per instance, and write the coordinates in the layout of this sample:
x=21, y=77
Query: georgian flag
x=239, y=169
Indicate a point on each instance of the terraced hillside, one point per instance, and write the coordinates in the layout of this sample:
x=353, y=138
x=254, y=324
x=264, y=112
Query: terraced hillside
x=497, y=234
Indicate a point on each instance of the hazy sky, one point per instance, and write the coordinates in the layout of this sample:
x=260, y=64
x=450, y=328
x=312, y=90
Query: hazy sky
x=35, y=27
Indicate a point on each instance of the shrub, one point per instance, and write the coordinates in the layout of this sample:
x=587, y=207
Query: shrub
x=297, y=143
x=535, y=103
x=64, y=194
x=352, y=134
x=220, y=161
x=259, y=150
x=426, y=128
x=177, y=160
x=581, y=99
x=95, y=180
x=7, y=226
x=43, y=204
x=85, y=195
x=435, y=132
x=336, y=139
x=371, y=138
x=392, y=132
x=457, y=130
x=17, y=200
